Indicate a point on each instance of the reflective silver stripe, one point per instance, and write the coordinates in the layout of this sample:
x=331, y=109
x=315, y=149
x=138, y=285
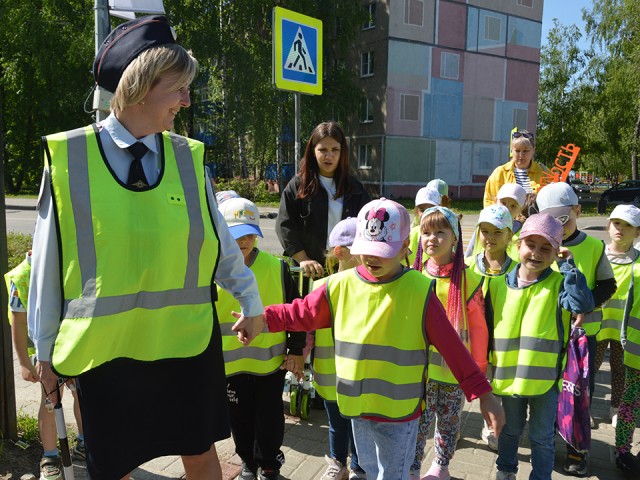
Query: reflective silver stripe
x=354, y=388
x=225, y=329
x=526, y=372
x=189, y=181
x=634, y=322
x=615, y=303
x=526, y=343
x=593, y=317
x=324, y=353
x=632, y=348
x=81, y=206
x=611, y=323
x=403, y=358
x=254, y=353
x=325, y=379
x=436, y=359
x=90, y=307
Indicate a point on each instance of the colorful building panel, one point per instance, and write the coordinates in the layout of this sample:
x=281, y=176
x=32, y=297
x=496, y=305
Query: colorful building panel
x=443, y=110
x=452, y=25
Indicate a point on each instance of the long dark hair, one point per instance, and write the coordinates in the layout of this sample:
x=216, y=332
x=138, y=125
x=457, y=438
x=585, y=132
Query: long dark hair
x=309, y=171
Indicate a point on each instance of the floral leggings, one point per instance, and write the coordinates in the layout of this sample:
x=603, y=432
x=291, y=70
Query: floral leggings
x=629, y=411
x=445, y=402
x=616, y=360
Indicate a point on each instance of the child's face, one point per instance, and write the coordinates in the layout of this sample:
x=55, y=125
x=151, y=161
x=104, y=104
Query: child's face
x=439, y=243
x=536, y=253
x=246, y=244
x=345, y=259
x=421, y=208
x=512, y=205
x=493, y=239
x=621, y=232
x=385, y=269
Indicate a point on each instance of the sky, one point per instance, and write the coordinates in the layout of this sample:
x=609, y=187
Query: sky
x=567, y=12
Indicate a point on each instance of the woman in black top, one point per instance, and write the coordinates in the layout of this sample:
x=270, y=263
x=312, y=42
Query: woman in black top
x=319, y=196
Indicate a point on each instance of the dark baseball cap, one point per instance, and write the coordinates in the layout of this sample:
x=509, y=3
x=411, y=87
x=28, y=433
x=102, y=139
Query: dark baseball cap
x=125, y=43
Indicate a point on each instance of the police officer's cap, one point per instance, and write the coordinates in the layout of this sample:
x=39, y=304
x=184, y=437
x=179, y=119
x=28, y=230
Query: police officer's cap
x=125, y=43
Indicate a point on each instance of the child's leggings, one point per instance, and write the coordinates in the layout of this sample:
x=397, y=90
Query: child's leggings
x=616, y=360
x=444, y=401
x=629, y=411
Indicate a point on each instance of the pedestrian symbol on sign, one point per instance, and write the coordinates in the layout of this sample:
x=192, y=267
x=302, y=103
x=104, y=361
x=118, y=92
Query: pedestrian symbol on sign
x=299, y=59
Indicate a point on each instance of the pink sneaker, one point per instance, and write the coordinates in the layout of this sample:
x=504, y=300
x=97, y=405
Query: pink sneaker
x=437, y=472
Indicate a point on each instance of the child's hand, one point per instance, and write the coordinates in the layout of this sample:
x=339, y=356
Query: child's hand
x=29, y=373
x=578, y=321
x=564, y=254
x=295, y=365
x=48, y=379
x=247, y=328
x=492, y=412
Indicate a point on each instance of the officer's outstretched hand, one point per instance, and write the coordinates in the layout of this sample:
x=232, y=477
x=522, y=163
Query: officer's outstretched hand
x=492, y=412
x=247, y=328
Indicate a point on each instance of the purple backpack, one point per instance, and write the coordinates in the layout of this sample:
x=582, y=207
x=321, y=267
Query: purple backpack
x=573, y=403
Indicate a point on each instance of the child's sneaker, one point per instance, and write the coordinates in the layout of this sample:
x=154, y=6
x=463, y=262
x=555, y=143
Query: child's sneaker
x=489, y=438
x=335, y=470
x=246, y=473
x=50, y=468
x=576, y=464
x=505, y=475
x=613, y=414
x=79, y=451
x=437, y=472
x=268, y=474
x=627, y=462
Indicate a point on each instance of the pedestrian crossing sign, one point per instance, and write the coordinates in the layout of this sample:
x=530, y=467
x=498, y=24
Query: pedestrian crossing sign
x=297, y=52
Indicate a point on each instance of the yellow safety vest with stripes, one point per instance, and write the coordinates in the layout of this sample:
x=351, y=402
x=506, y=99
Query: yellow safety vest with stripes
x=137, y=267
x=381, y=343
x=586, y=256
x=19, y=276
x=438, y=369
x=473, y=264
x=324, y=359
x=613, y=310
x=531, y=330
x=267, y=350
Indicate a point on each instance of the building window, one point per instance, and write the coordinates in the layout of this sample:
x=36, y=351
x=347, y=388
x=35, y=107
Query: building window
x=370, y=12
x=520, y=116
x=366, y=111
x=450, y=65
x=492, y=28
x=409, y=107
x=526, y=3
x=485, y=158
x=413, y=12
x=366, y=64
x=364, y=156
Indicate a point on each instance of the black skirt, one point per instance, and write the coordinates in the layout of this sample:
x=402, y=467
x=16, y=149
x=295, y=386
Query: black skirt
x=135, y=411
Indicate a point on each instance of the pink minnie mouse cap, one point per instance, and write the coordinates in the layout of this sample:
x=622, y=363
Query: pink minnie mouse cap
x=544, y=225
x=382, y=228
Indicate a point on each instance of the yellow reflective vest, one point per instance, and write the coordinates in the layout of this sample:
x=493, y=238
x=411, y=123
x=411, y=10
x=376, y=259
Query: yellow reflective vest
x=137, y=267
x=324, y=359
x=613, y=310
x=586, y=256
x=381, y=343
x=531, y=330
x=438, y=369
x=267, y=350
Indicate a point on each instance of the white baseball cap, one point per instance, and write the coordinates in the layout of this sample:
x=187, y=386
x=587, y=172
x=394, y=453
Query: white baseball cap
x=513, y=190
x=497, y=215
x=556, y=199
x=242, y=217
x=628, y=213
x=428, y=195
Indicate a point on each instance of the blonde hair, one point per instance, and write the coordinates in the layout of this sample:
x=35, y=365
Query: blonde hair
x=331, y=260
x=148, y=68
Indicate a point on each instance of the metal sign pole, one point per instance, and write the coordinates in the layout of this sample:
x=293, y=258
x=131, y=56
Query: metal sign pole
x=297, y=99
x=100, y=96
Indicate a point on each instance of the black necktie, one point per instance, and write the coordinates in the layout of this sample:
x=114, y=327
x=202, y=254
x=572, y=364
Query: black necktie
x=136, y=173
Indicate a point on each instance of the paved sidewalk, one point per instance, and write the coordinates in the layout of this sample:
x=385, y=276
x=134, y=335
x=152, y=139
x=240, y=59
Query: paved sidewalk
x=306, y=443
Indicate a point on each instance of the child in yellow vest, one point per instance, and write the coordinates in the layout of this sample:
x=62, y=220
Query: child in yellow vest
x=530, y=309
x=379, y=311
x=426, y=197
x=495, y=234
x=560, y=201
x=324, y=365
x=621, y=330
x=460, y=290
x=255, y=376
x=18, y=285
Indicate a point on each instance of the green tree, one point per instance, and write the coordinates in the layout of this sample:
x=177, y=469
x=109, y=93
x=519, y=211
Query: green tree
x=45, y=57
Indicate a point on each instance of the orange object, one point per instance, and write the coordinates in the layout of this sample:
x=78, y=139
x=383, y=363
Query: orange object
x=563, y=164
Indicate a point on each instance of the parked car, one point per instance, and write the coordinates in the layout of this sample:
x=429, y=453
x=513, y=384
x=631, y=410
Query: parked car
x=579, y=186
x=624, y=192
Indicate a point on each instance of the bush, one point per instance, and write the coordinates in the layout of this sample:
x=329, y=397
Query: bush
x=257, y=192
x=17, y=245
